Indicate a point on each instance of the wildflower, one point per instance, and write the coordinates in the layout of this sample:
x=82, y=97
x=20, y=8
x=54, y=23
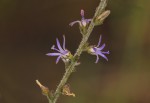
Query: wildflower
x=97, y=50
x=83, y=21
x=62, y=52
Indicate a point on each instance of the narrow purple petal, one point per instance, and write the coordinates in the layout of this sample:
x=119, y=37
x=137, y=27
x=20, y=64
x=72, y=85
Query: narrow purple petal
x=106, y=52
x=58, y=44
x=53, y=48
x=100, y=38
x=74, y=22
x=82, y=13
x=53, y=54
x=102, y=47
x=64, y=43
x=57, y=60
x=88, y=20
x=97, y=59
x=102, y=55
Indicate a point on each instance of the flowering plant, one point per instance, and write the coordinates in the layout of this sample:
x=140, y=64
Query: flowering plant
x=83, y=22
x=97, y=50
x=62, y=52
x=86, y=27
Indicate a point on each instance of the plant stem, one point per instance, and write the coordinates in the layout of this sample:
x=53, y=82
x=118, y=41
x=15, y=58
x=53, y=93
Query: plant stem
x=49, y=100
x=71, y=67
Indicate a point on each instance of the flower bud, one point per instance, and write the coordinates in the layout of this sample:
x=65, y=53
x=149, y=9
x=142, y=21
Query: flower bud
x=44, y=89
x=104, y=15
x=100, y=18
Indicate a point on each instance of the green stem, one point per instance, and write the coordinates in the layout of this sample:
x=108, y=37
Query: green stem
x=76, y=56
x=49, y=100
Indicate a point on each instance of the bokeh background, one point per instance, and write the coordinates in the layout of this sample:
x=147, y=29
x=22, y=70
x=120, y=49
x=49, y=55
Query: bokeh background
x=28, y=29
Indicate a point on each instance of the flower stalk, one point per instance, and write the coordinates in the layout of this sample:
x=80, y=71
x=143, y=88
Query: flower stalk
x=76, y=56
x=73, y=61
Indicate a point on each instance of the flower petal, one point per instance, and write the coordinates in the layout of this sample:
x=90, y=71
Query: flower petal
x=102, y=47
x=57, y=60
x=64, y=43
x=105, y=52
x=99, y=42
x=102, y=55
x=53, y=54
x=74, y=22
x=97, y=59
x=88, y=20
x=58, y=44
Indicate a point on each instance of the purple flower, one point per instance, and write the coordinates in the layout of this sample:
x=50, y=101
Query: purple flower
x=62, y=52
x=83, y=21
x=97, y=50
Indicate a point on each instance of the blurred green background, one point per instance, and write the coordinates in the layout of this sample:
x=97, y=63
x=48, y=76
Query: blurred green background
x=28, y=29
